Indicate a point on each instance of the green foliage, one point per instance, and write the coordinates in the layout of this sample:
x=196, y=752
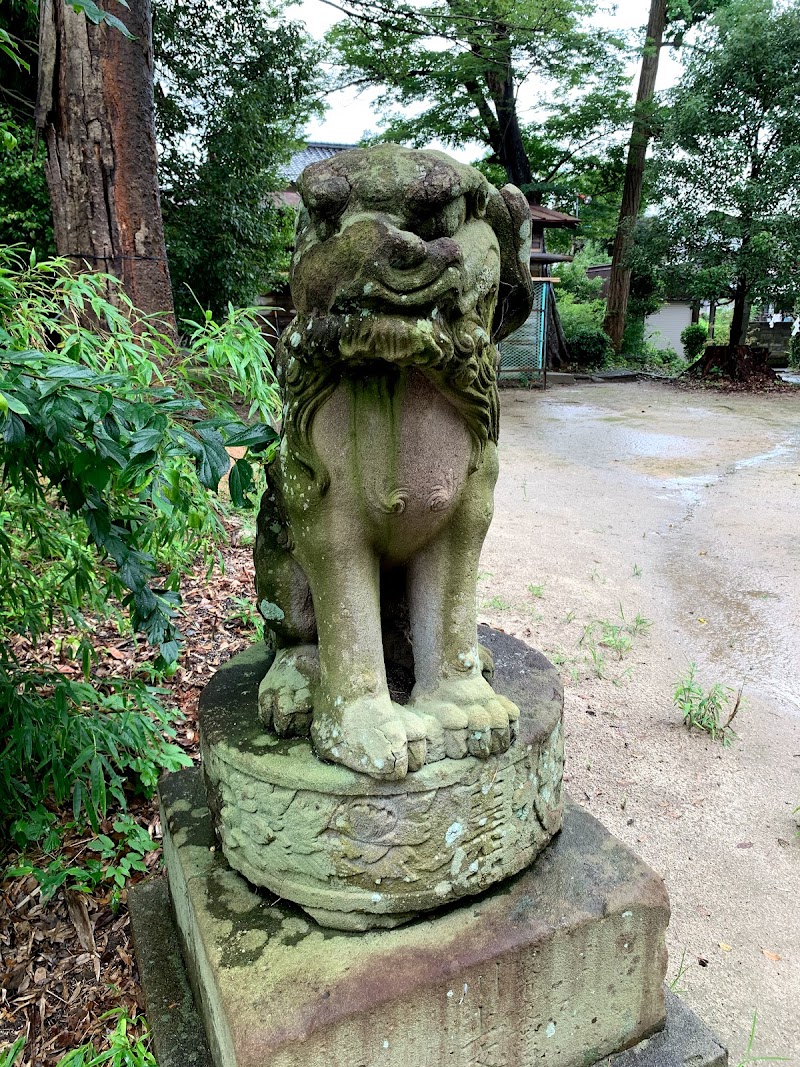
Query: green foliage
x=125, y=1048
x=25, y=216
x=224, y=126
x=98, y=16
x=693, y=339
x=115, y=860
x=450, y=71
x=794, y=352
x=110, y=442
x=588, y=345
x=573, y=277
x=705, y=710
x=727, y=170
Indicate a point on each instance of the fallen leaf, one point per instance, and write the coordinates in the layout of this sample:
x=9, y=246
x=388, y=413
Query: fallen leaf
x=724, y=947
x=703, y=622
x=79, y=914
x=771, y=955
x=115, y=653
x=745, y=844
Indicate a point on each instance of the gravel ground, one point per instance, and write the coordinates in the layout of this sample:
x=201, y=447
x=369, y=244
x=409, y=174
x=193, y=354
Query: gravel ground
x=681, y=508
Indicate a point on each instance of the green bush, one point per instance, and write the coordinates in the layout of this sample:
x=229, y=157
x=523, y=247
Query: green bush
x=25, y=215
x=794, y=352
x=588, y=345
x=693, y=339
x=110, y=453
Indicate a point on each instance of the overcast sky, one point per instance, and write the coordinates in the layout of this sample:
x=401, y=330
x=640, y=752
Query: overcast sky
x=350, y=115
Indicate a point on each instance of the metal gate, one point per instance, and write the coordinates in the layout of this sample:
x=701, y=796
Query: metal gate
x=522, y=353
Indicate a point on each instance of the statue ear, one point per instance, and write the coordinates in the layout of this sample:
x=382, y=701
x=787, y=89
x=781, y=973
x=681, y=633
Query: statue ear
x=509, y=214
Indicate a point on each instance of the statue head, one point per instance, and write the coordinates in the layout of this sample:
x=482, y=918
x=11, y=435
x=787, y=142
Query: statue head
x=410, y=257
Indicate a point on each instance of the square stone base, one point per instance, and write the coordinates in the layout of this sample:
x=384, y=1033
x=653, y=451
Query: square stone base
x=179, y=1038
x=563, y=964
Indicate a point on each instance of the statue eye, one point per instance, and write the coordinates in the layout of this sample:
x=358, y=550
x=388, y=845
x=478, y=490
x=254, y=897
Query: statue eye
x=443, y=223
x=325, y=196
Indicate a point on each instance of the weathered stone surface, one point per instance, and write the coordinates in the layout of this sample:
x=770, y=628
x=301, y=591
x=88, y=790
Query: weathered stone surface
x=356, y=852
x=408, y=267
x=179, y=1039
x=684, y=1041
x=561, y=965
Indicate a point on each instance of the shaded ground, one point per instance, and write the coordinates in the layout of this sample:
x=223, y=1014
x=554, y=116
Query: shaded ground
x=682, y=508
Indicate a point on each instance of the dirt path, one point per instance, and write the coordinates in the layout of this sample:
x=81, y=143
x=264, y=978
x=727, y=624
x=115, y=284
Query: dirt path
x=683, y=508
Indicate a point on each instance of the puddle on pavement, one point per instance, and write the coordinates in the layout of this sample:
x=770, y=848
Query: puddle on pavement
x=746, y=635
x=688, y=452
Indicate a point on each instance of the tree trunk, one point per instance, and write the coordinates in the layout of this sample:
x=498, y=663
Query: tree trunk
x=740, y=319
x=620, y=281
x=712, y=319
x=556, y=350
x=95, y=108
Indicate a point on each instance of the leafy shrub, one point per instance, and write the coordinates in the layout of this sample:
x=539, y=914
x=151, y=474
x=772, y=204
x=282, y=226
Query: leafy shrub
x=693, y=339
x=112, y=441
x=794, y=352
x=574, y=279
x=588, y=345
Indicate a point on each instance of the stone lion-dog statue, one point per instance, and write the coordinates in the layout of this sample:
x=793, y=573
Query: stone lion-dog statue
x=408, y=267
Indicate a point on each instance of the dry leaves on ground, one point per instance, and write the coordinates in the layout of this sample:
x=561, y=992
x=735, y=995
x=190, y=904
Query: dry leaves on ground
x=65, y=963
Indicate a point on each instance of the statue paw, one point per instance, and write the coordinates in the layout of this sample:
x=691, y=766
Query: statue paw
x=474, y=719
x=371, y=735
x=286, y=694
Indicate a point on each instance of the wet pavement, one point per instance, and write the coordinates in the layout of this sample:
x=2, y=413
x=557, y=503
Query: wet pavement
x=625, y=498
x=719, y=481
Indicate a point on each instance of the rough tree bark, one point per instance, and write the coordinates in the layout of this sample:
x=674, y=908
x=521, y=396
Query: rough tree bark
x=620, y=281
x=95, y=109
x=740, y=319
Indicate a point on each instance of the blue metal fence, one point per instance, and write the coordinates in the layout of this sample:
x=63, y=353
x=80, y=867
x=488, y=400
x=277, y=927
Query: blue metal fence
x=522, y=353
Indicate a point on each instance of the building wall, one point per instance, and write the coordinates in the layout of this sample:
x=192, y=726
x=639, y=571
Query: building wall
x=663, y=329
x=776, y=338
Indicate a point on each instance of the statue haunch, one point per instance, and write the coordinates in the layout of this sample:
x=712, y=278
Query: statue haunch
x=408, y=266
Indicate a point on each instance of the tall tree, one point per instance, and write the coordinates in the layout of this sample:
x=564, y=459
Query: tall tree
x=678, y=15
x=460, y=65
x=451, y=70
x=95, y=108
x=235, y=83
x=620, y=281
x=728, y=167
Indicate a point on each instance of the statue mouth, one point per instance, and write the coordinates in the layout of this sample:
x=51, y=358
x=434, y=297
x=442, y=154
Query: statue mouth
x=398, y=292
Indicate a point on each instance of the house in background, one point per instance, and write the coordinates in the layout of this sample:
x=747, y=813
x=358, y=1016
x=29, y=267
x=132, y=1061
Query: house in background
x=664, y=327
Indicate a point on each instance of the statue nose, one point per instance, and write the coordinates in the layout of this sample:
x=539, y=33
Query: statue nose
x=407, y=251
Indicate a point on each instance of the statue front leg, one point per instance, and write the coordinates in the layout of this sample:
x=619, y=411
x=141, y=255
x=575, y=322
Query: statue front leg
x=442, y=580
x=355, y=722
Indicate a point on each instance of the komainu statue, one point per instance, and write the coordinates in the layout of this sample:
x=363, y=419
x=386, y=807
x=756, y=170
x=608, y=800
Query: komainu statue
x=408, y=268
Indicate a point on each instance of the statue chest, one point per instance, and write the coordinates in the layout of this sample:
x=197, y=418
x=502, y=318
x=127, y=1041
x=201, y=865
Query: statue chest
x=398, y=454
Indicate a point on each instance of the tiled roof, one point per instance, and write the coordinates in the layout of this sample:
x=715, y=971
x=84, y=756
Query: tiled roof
x=311, y=153
x=552, y=219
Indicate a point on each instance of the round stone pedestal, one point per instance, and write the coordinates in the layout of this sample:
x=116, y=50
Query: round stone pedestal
x=356, y=853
